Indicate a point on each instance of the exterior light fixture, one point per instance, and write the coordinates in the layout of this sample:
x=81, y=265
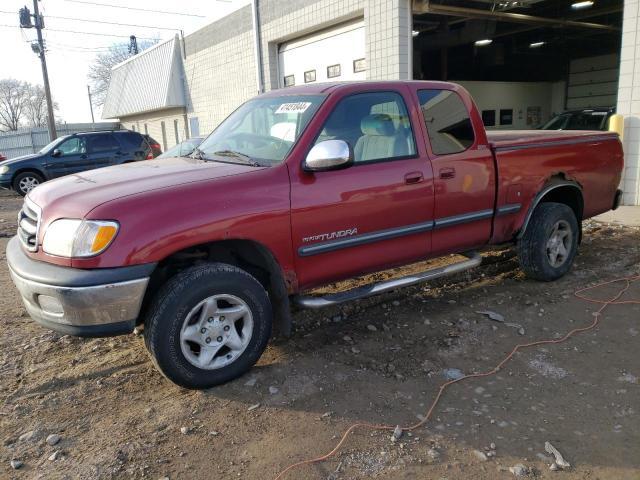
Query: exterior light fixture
x=484, y=42
x=415, y=33
x=536, y=44
x=582, y=5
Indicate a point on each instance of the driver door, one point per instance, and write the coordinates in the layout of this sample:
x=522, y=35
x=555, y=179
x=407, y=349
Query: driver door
x=377, y=213
x=67, y=155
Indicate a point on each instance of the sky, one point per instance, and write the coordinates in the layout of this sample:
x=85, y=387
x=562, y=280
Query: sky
x=70, y=54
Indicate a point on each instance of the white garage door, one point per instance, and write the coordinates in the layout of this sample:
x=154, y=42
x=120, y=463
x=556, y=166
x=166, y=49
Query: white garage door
x=331, y=55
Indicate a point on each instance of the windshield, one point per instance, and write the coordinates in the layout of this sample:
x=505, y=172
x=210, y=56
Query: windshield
x=183, y=149
x=263, y=129
x=578, y=121
x=50, y=145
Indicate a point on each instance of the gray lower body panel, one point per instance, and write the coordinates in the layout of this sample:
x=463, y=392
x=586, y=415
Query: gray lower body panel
x=96, y=302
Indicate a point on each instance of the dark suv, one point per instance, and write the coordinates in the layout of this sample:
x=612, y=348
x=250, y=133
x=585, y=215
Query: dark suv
x=73, y=154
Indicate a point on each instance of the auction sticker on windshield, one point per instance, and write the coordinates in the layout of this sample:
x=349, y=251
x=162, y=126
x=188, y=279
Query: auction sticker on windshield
x=296, y=107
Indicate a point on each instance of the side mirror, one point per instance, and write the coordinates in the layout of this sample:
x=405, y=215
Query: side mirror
x=56, y=152
x=329, y=155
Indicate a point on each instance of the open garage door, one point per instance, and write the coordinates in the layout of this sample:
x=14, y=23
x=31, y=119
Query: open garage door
x=524, y=61
x=335, y=54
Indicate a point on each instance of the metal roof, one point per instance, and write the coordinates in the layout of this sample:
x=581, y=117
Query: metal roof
x=152, y=80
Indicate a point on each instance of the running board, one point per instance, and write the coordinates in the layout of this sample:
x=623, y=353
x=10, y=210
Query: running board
x=312, y=301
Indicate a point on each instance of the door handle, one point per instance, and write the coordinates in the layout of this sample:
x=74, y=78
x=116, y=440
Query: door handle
x=447, y=173
x=413, y=177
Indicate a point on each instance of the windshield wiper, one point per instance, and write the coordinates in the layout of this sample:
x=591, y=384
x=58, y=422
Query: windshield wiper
x=245, y=159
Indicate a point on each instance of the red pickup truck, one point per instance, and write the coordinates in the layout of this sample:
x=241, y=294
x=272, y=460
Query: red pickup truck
x=295, y=189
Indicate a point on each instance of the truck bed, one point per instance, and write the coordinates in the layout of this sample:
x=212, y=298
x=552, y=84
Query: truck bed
x=515, y=139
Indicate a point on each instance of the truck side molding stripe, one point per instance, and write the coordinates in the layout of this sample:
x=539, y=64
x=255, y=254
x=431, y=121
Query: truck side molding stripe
x=390, y=233
x=508, y=209
x=364, y=239
x=556, y=143
x=465, y=218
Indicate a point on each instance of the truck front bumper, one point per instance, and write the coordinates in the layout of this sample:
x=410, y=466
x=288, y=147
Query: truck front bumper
x=87, y=303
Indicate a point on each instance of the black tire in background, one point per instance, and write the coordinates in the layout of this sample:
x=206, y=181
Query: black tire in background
x=550, y=242
x=173, y=306
x=23, y=180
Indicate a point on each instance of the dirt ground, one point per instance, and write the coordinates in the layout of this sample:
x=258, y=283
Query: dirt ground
x=377, y=360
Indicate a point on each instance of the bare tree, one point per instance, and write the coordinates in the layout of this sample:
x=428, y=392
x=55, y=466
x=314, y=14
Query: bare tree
x=100, y=71
x=14, y=95
x=35, y=111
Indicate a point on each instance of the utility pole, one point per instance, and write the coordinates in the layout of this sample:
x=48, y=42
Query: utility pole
x=133, y=45
x=25, y=22
x=90, y=103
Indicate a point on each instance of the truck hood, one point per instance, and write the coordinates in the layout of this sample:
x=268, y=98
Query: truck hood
x=79, y=193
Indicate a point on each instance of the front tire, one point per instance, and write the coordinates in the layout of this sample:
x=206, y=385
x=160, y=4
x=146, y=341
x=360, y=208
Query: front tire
x=208, y=325
x=550, y=242
x=26, y=181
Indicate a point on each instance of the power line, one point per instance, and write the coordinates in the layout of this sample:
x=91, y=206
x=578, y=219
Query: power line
x=113, y=23
x=108, y=23
x=89, y=20
x=134, y=8
x=85, y=33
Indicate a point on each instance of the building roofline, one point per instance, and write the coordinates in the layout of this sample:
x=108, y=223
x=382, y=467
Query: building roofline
x=144, y=52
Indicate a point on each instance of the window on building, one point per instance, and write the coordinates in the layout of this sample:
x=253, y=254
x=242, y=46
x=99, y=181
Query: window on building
x=289, y=81
x=194, y=126
x=359, y=65
x=447, y=121
x=310, y=76
x=489, y=118
x=375, y=125
x=333, y=71
x=506, y=116
x=133, y=127
x=175, y=131
x=164, y=135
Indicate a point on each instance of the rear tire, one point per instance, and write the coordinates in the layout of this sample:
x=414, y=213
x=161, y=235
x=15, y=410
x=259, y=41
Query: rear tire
x=24, y=182
x=550, y=242
x=208, y=325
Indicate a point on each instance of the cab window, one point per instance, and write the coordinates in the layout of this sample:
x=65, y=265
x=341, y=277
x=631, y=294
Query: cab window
x=375, y=125
x=72, y=146
x=103, y=143
x=447, y=121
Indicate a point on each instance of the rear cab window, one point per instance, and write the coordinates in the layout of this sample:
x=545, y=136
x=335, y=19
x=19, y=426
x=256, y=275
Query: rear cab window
x=447, y=121
x=103, y=143
x=131, y=141
x=376, y=126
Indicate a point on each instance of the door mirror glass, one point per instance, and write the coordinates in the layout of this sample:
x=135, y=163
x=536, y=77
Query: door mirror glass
x=56, y=152
x=329, y=155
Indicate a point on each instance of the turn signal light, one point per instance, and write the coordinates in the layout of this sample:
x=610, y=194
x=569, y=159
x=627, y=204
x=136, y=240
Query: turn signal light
x=103, y=238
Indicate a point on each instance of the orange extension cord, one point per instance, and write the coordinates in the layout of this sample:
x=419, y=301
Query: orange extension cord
x=615, y=300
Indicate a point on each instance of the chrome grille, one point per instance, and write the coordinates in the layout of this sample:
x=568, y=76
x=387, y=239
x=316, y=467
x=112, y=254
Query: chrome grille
x=29, y=225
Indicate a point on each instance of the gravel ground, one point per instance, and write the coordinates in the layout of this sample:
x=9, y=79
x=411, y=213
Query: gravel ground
x=377, y=360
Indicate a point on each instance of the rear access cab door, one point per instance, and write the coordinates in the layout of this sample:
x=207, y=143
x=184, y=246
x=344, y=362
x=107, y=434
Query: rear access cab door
x=376, y=213
x=463, y=166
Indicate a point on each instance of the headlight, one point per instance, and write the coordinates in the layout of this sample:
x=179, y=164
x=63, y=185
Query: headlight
x=78, y=238
x=4, y=169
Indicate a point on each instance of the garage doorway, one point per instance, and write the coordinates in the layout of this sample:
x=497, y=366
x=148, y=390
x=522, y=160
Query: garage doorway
x=523, y=61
